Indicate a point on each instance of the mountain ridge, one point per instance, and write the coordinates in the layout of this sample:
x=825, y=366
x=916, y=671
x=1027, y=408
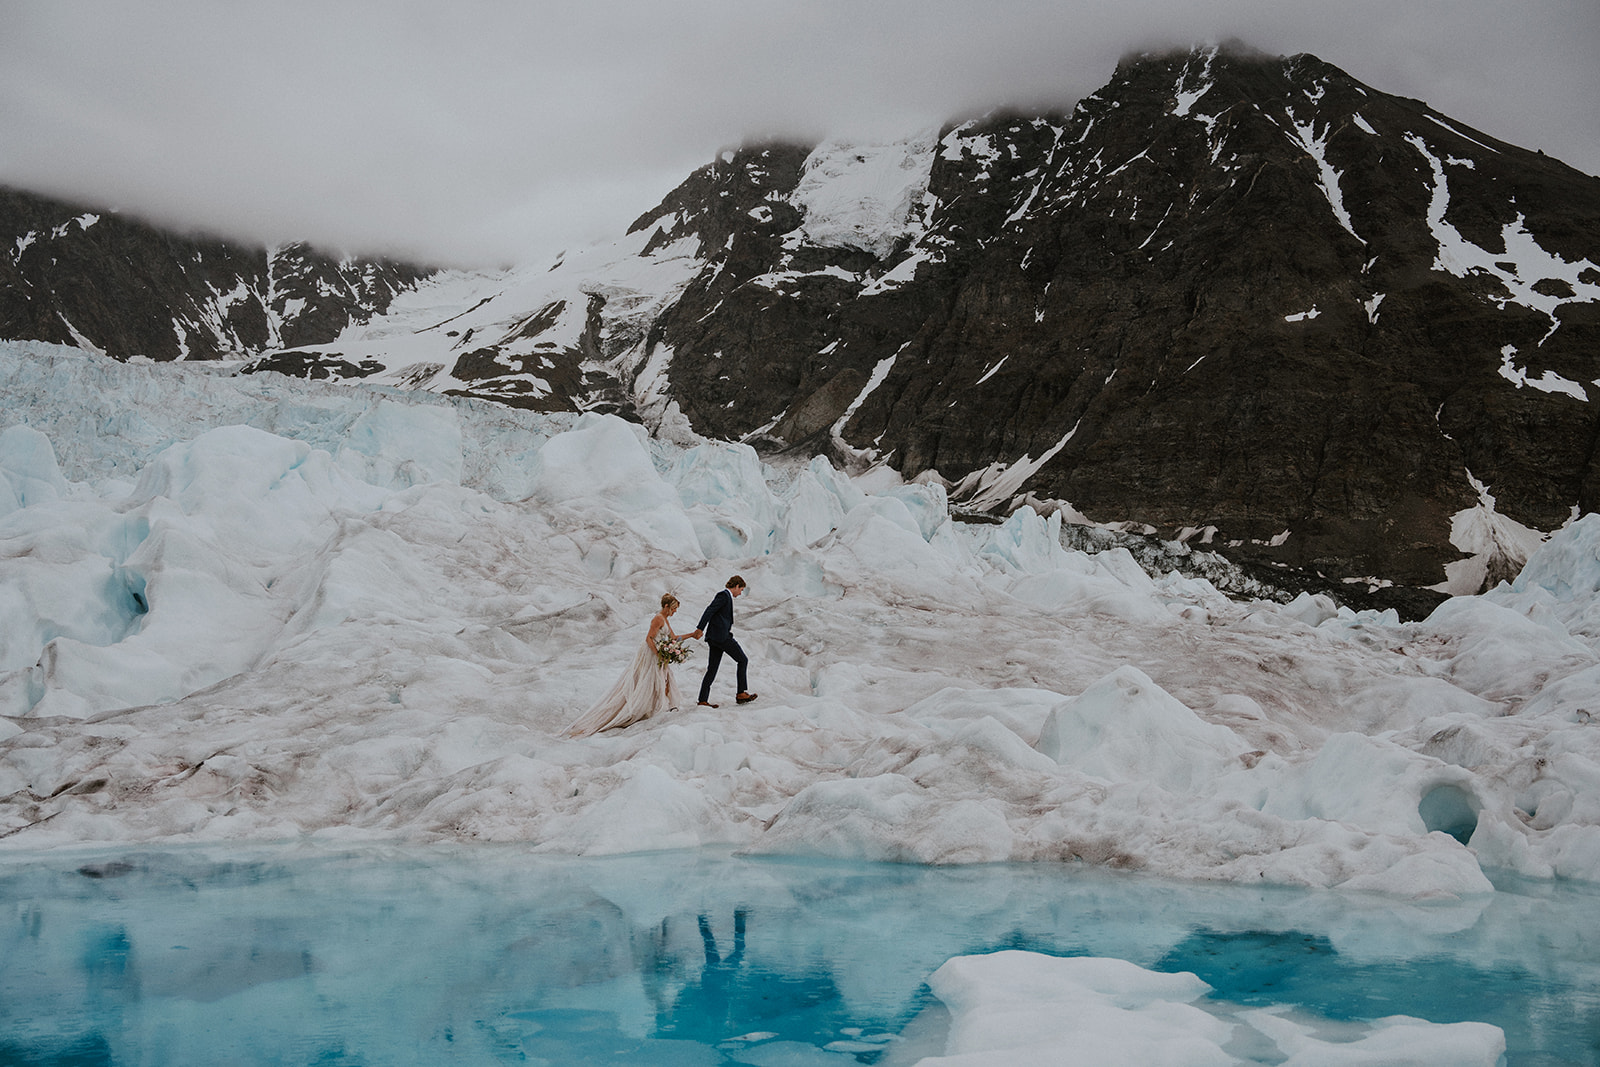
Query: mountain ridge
x=112, y=283
x=1226, y=304
x=1232, y=299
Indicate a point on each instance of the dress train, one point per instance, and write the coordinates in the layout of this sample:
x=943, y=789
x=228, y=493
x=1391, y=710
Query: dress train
x=647, y=686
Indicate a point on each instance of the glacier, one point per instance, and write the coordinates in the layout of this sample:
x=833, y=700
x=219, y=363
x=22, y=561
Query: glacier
x=247, y=608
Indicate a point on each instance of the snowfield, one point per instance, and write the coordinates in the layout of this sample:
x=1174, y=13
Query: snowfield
x=255, y=608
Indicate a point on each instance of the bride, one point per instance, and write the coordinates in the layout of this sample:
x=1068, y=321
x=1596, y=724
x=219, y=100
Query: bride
x=647, y=685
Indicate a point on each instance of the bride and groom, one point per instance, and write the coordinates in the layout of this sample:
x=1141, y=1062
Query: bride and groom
x=648, y=686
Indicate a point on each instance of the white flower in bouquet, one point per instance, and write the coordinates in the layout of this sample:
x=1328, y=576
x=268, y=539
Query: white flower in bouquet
x=671, y=650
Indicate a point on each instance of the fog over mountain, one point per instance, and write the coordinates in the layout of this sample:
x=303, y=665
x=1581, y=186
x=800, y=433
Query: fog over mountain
x=1232, y=299
x=481, y=133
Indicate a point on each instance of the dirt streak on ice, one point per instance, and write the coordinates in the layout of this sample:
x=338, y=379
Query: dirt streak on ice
x=253, y=608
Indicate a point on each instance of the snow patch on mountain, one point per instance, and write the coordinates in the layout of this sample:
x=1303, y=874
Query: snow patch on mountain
x=1187, y=97
x=1548, y=382
x=1329, y=177
x=996, y=485
x=865, y=195
x=1520, y=267
x=1497, y=546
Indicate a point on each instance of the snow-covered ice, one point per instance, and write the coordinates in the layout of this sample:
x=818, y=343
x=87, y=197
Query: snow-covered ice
x=254, y=608
x=1022, y=1007
x=865, y=195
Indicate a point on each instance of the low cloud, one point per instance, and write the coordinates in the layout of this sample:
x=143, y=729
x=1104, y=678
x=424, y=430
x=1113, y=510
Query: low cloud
x=484, y=132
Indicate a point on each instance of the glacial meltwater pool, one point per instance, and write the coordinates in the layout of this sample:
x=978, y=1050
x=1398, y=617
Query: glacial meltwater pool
x=300, y=954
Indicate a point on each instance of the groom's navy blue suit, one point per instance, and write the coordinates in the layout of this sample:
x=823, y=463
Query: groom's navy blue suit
x=717, y=623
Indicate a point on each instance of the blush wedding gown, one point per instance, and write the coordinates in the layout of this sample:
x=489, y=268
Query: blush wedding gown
x=647, y=686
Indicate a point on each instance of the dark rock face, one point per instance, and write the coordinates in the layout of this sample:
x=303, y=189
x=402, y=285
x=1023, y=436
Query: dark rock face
x=1232, y=297
x=76, y=275
x=523, y=368
x=1226, y=291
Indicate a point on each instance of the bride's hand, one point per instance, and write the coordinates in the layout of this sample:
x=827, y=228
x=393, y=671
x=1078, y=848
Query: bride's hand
x=693, y=635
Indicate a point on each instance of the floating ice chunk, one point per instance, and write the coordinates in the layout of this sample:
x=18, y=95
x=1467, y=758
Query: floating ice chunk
x=1127, y=728
x=1014, y=1007
x=1023, y=1007
x=1395, y=1041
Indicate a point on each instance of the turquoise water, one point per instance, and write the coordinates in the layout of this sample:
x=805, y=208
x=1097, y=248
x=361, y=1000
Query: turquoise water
x=305, y=955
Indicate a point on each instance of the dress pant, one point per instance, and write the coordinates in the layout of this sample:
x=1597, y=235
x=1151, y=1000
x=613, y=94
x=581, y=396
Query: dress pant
x=733, y=650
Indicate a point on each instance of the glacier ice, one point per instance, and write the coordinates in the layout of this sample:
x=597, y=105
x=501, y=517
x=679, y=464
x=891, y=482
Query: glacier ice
x=247, y=607
x=1023, y=1007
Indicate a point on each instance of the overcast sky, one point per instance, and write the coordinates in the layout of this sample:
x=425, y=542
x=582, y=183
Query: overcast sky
x=486, y=132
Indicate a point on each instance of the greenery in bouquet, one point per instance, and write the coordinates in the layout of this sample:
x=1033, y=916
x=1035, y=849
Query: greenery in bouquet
x=670, y=649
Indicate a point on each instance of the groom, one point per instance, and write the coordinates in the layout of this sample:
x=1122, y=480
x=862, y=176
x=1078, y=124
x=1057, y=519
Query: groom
x=716, y=623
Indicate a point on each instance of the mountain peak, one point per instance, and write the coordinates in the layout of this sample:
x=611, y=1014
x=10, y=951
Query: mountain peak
x=1230, y=297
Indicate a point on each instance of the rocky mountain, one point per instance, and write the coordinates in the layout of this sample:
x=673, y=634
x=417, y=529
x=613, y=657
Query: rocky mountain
x=1235, y=300
x=1228, y=293
x=73, y=274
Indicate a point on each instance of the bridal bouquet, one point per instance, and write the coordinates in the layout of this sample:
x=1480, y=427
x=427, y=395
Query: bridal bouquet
x=671, y=650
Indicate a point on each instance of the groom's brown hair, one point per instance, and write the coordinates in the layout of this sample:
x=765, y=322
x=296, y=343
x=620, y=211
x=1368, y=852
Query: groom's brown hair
x=736, y=582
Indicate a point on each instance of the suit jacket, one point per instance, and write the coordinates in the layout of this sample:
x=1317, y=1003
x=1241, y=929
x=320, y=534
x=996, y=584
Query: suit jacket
x=717, y=619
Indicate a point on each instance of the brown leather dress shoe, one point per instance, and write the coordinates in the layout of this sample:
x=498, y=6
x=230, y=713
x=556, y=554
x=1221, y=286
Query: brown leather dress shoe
x=745, y=698
x=708, y=704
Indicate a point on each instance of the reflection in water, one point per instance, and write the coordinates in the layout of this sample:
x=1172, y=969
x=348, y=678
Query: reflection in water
x=495, y=955
x=729, y=999
x=1260, y=967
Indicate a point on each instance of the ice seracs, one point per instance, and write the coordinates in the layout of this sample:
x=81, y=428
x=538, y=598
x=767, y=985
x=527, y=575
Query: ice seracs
x=248, y=607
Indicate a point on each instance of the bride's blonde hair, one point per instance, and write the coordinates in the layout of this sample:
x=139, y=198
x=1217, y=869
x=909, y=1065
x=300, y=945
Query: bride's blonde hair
x=667, y=601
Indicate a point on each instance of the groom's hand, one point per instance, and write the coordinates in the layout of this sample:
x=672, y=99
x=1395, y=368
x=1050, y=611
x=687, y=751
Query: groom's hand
x=696, y=633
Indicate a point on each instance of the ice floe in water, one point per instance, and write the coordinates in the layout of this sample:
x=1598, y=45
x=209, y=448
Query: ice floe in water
x=1024, y=1007
x=253, y=608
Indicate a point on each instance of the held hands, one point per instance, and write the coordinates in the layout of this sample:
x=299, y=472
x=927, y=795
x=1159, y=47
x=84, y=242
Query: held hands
x=696, y=634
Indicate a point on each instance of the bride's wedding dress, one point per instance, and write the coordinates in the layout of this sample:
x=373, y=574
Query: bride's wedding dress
x=647, y=686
